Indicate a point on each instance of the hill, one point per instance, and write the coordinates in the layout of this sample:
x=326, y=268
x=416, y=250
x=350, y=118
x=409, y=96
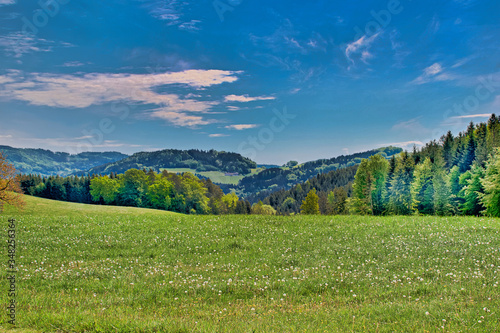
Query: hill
x=197, y=160
x=258, y=186
x=47, y=163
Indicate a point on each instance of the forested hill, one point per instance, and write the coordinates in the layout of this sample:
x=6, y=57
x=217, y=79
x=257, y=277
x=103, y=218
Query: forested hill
x=338, y=181
x=198, y=160
x=257, y=187
x=46, y=162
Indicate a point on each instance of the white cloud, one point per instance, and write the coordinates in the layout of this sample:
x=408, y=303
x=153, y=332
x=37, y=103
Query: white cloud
x=360, y=48
x=217, y=135
x=81, y=91
x=17, y=44
x=482, y=115
x=246, y=98
x=7, y=2
x=95, y=88
x=180, y=118
x=241, y=126
x=433, y=73
x=73, y=64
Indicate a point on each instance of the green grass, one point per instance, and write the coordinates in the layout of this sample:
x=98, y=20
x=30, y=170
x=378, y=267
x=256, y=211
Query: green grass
x=107, y=269
x=216, y=176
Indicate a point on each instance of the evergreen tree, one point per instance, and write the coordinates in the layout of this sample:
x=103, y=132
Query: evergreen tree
x=310, y=205
x=422, y=188
x=471, y=191
x=491, y=183
x=400, y=198
x=360, y=202
x=448, y=143
x=441, y=184
x=469, y=152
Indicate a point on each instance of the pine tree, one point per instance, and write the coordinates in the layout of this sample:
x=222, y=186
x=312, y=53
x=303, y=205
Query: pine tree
x=491, y=183
x=360, y=202
x=469, y=153
x=448, y=143
x=441, y=184
x=400, y=198
x=310, y=205
x=471, y=191
x=422, y=188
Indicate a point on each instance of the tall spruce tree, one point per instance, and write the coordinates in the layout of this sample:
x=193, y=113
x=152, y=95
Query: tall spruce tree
x=422, y=188
x=441, y=184
x=491, y=183
x=400, y=199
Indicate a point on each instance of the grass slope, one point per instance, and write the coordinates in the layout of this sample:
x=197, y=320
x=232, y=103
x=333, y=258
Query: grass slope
x=88, y=268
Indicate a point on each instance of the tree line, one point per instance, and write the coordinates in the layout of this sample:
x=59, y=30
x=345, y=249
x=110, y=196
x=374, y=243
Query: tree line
x=182, y=193
x=455, y=176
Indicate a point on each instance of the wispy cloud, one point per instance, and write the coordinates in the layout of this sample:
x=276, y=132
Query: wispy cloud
x=17, y=44
x=434, y=73
x=181, y=119
x=7, y=2
x=173, y=12
x=81, y=91
x=218, y=135
x=246, y=98
x=412, y=126
x=97, y=88
x=360, y=49
x=241, y=126
x=481, y=115
x=73, y=64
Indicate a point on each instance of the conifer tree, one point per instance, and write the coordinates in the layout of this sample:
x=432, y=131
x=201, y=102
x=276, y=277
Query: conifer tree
x=422, y=188
x=491, y=183
x=310, y=205
x=441, y=184
x=471, y=191
x=400, y=199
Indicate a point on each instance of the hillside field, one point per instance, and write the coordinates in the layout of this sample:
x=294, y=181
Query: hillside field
x=115, y=269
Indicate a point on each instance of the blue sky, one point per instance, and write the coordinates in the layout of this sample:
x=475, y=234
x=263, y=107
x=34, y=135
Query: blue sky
x=273, y=80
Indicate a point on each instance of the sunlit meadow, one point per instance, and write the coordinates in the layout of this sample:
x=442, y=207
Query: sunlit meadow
x=105, y=269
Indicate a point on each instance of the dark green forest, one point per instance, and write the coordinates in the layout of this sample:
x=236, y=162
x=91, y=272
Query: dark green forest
x=257, y=187
x=198, y=160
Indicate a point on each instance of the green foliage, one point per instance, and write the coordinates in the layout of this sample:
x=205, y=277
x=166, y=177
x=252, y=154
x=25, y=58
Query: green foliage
x=422, y=188
x=105, y=188
x=261, y=209
x=491, y=184
x=252, y=187
x=310, y=205
x=471, y=191
x=400, y=197
x=160, y=193
x=337, y=201
x=199, y=160
x=441, y=184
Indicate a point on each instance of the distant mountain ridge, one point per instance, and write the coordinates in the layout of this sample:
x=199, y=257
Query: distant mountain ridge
x=47, y=163
x=194, y=159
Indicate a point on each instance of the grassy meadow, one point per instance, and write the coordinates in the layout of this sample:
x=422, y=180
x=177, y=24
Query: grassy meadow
x=114, y=269
x=216, y=176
